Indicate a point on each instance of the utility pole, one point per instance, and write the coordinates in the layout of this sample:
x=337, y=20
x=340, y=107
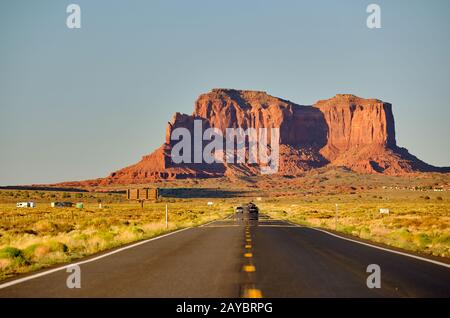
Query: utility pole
x=167, y=217
x=336, y=218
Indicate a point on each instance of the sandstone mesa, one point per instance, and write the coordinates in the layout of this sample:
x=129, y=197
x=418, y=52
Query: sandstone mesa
x=345, y=130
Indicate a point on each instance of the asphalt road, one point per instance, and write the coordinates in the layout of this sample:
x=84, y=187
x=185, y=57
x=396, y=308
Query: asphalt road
x=236, y=258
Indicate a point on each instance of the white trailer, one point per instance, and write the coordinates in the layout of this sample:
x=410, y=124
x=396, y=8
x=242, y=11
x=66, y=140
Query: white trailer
x=29, y=204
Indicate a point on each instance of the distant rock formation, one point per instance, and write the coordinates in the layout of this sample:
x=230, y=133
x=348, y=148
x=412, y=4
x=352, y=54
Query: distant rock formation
x=345, y=130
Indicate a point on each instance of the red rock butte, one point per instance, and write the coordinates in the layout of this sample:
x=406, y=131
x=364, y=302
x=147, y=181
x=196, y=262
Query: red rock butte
x=345, y=130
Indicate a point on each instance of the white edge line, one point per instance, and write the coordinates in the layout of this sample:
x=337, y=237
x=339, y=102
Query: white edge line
x=24, y=279
x=27, y=278
x=374, y=246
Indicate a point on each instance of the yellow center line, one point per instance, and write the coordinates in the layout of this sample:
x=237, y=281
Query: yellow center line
x=249, y=268
x=252, y=293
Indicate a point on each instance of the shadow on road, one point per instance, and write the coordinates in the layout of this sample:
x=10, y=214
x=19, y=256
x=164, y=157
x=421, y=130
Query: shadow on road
x=199, y=193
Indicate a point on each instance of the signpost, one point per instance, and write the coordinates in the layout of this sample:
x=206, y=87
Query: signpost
x=167, y=217
x=336, y=218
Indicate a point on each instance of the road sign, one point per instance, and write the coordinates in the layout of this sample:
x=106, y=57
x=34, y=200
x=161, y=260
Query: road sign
x=143, y=194
x=384, y=211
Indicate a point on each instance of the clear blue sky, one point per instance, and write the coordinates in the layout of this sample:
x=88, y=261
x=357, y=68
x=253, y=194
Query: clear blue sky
x=77, y=104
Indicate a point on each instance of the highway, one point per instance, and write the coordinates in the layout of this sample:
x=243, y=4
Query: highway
x=234, y=258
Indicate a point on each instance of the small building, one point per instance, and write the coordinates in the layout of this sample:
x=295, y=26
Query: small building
x=29, y=204
x=61, y=204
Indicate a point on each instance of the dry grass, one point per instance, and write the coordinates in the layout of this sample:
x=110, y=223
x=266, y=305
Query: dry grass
x=414, y=223
x=419, y=220
x=43, y=236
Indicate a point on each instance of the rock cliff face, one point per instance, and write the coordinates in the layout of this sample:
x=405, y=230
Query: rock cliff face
x=344, y=130
x=355, y=122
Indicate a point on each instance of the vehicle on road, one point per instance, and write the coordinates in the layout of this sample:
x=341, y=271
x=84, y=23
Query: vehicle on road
x=252, y=208
x=247, y=211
